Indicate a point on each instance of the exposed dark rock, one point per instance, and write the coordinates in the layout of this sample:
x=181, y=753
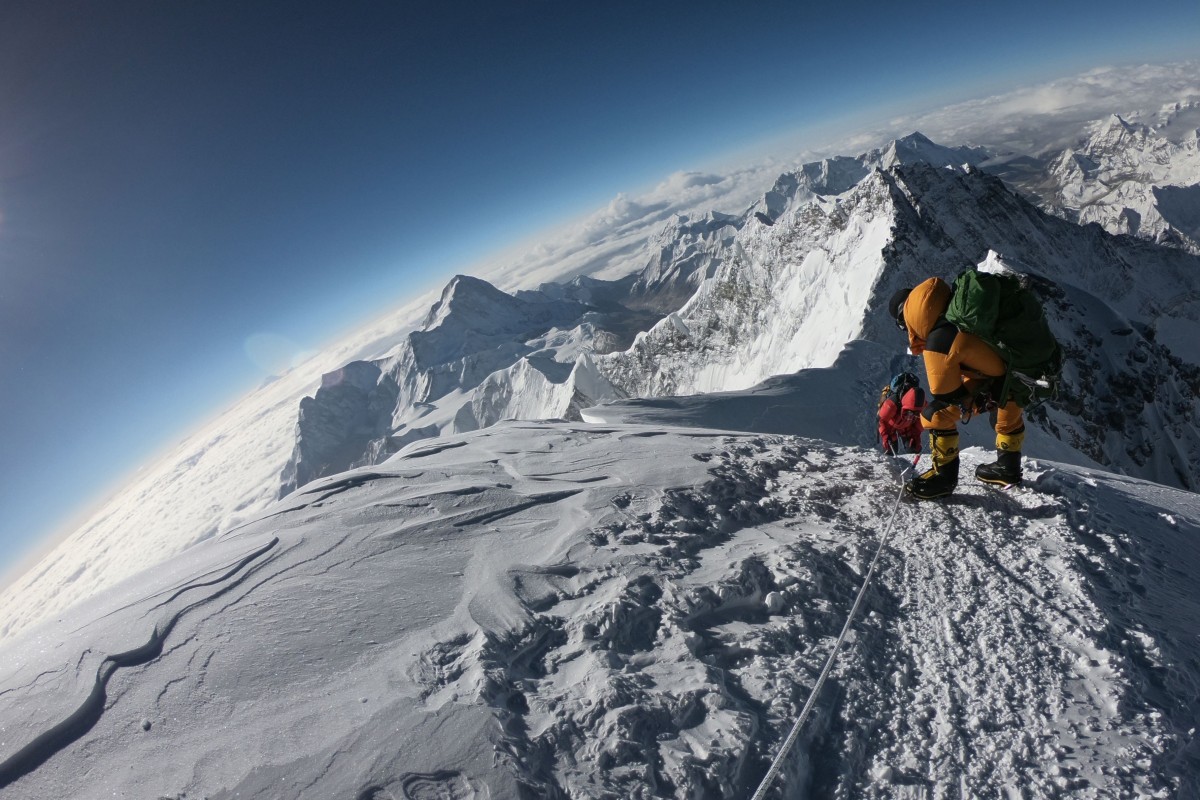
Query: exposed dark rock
x=336, y=426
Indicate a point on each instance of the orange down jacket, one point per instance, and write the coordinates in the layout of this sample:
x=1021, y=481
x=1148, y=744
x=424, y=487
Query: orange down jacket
x=957, y=364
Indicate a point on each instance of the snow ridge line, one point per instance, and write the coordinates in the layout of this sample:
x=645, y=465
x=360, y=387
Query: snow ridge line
x=84, y=718
x=816, y=690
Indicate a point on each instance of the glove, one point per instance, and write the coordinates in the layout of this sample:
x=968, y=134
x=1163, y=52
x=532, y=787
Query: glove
x=983, y=403
x=980, y=399
x=910, y=437
x=887, y=438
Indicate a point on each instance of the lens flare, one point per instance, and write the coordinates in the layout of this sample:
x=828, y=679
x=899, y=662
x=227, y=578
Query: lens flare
x=272, y=353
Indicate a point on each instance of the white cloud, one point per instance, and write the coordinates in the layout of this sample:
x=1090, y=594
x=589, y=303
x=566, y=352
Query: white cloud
x=272, y=353
x=610, y=242
x=1051, y=114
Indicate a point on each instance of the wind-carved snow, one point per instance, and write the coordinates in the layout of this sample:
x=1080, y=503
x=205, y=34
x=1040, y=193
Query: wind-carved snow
x=555, y=610
x=213, y=480
x=207, y=484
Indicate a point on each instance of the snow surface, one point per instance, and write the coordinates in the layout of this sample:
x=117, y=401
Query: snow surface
x=566, y=610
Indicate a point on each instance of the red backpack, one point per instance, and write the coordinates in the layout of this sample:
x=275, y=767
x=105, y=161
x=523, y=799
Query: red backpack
x=900, y=405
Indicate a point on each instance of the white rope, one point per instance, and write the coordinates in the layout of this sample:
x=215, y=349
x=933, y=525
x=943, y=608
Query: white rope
x=812, y=697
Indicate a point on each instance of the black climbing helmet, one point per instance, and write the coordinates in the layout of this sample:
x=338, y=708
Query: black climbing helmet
x=896, y=307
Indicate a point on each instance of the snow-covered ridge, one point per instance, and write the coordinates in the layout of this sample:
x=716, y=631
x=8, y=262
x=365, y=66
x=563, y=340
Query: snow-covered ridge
x=720, y=301
x=790, y=294
x=840, y=174
x=1127, y=177
x=783, y=288
x=483, y=355
x=559, y=610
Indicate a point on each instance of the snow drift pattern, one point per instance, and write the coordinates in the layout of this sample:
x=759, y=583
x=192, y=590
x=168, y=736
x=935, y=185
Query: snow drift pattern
x=566, y=611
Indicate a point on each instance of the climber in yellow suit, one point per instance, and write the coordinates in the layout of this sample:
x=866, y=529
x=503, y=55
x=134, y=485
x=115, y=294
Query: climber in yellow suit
x=961, y=369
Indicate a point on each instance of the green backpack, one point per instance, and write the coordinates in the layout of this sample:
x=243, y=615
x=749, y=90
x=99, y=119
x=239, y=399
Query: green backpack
x=1006, y=315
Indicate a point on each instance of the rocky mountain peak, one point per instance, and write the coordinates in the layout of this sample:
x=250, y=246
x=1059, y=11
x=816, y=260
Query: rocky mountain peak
x=1115, y=135
x=472, y=300
x=919, y=148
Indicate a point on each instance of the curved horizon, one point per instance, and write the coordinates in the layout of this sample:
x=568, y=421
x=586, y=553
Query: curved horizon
x=562, y=241
x=140, y=392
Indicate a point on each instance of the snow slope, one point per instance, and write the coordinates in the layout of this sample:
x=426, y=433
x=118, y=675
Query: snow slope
x=212, y=480
x=566, y=610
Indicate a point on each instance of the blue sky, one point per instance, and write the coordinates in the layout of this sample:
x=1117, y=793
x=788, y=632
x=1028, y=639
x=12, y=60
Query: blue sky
x=177, y=178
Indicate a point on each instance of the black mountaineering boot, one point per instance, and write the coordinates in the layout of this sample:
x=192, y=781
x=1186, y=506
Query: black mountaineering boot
x=1004, y=471
x=940, y=480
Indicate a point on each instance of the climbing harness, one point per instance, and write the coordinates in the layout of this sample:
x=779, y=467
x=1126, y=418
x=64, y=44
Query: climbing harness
x=812, y=697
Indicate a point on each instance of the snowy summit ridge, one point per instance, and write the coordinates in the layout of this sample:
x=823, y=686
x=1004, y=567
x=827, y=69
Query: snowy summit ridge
x=557, y=542
x=785, y=287
x=1128, y=177
x=563, y=610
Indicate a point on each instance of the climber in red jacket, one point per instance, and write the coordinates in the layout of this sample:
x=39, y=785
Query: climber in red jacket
x=900, y=407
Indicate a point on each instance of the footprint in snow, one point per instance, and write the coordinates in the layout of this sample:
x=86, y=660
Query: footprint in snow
x=437, y=786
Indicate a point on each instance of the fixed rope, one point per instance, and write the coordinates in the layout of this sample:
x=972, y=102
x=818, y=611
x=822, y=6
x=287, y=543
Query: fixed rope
x=812, y=697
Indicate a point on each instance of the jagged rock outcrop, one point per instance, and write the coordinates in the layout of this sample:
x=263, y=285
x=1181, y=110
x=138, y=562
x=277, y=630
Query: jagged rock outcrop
x=840, y=174
x=1126, y=177
x=686, y=252
x=337, y=425
x=481, y=356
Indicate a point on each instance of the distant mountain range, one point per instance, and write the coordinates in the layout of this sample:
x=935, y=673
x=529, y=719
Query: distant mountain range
x=784, y=287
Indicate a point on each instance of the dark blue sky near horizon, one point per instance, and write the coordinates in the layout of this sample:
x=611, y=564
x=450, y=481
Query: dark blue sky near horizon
x=176, y=178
